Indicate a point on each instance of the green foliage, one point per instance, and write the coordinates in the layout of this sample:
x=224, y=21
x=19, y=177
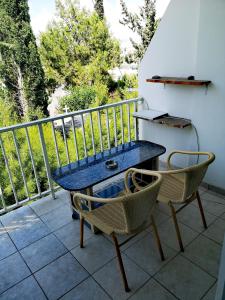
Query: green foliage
x=99, y=7
x=143, y=24
x=20, y=66
x=10, y=118
x=77, y=48
x=80, y=97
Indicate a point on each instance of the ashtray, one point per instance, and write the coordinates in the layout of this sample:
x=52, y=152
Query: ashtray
x=111, y=164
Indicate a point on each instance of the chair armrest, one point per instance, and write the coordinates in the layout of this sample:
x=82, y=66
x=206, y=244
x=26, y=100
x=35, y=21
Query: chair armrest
x=133, y=172
x=209, y=154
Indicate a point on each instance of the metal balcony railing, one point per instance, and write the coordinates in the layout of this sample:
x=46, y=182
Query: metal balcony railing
x=29, y=151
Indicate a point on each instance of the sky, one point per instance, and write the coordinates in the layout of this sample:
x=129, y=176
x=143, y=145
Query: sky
x=43, y=11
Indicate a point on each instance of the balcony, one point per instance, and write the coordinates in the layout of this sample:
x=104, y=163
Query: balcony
x=39, y=241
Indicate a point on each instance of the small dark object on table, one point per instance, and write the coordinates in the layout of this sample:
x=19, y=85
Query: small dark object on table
x=111, y=164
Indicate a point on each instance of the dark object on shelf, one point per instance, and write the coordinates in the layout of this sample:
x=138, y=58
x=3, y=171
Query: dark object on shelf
x=191, y=77
x=156, y=77
x=172, y=121
x=111, y=164
x=179, y=80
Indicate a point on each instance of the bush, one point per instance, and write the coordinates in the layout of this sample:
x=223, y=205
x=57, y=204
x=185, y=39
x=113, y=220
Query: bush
x=81, y=97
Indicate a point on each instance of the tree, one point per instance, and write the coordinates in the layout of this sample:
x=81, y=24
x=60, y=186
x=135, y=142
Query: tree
x=20, y=65
x=143, y=24
x=99, y=7
x=77, y=48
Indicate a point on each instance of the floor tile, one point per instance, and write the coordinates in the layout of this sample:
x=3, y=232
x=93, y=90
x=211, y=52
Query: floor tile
x=191, y=217
x=164, y=208
x=19, y=216
x=12, y=270
x=212, y=204
x=123, y=238
x=28, y=233
x=24, y=227
x=210, y=294
x=58, y=217
x=160, y=217
x=42, y=252
x=145, y=253
x=87, y=290
x=184, y=279
x=6, y=246
x=202, y=189
x=26, y=290
x=213, y=197
x=2, y=229
x=216, y=231
x=69, y=234
x=109, y=278
x=45, y=205
x=97, y=251
x=152, y=290
x=168, y=235
x=60, y=276
x=205, y=253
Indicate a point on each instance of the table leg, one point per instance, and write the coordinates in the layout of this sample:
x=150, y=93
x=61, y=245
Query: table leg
x=89, y=192
x=90, y=206
x=75, y=215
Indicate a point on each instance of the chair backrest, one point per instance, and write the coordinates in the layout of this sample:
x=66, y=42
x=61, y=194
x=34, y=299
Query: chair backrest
x=138, y=206
x=195, y=174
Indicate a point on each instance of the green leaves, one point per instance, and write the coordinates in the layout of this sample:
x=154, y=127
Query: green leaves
x=99, y=7
x=77, y=48
x=144, y=24
x=21, y=69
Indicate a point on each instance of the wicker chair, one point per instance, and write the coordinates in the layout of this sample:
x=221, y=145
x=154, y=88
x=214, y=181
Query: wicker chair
x=128, y=214
x=180, y=186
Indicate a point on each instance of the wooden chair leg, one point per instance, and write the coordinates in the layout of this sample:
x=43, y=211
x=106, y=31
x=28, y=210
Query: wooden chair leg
x=176, y=227
x=81, y=232
x=157, y=239
x=120, y=263
x=201, y=210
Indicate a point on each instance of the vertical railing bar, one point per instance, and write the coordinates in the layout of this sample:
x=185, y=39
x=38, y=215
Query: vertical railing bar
x=100, y=130
x=135, y=122
x=20, y=163
x=115, y=126
x=108, y=130
x=121, y=120
x=75, y=138
x=65, y=141
x=32, y=161
x=84, y=137
x=46, y=162
x=128, y=122
x=92, y=134
x=3, y=199
x=56, y=144
x=8, y=170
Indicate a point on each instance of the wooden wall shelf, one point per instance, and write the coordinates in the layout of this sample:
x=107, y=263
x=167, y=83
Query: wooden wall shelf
x=163, y=118
x=179, y=80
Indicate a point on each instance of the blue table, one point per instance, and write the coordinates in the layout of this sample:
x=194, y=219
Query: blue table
x=84, y=174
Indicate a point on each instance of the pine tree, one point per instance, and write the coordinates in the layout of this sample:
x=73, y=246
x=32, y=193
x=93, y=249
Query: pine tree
x=20, y=66
x=143, y=24
x=99, y=7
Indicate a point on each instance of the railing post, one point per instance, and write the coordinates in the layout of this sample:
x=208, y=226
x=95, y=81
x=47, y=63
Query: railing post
x=46, y=161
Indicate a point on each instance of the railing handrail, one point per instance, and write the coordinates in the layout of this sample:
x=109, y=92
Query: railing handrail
x=97, y=134
x=66, y=115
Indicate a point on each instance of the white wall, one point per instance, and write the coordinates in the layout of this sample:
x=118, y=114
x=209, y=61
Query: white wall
x=189, y=41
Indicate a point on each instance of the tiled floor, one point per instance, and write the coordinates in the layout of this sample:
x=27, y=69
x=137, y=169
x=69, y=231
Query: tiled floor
x=40, y=256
